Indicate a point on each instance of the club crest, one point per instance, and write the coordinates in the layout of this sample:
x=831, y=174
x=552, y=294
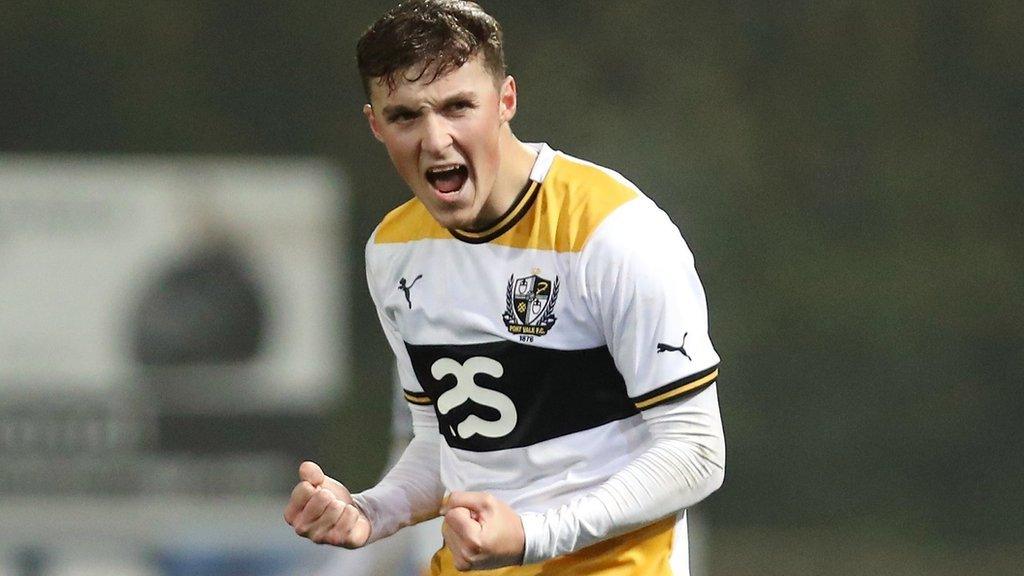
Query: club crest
x=530, y=305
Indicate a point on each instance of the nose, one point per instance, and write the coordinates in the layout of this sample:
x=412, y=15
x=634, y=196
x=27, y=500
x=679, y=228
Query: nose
x=436, y=137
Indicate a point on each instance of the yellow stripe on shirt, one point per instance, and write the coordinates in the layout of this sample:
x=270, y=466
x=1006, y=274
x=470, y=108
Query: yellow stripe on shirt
x=678, y=391
x=572, y=202
x=421, y=399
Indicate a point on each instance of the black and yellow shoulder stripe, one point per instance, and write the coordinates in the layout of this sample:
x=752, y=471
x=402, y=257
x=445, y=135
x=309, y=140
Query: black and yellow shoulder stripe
x=420, y=398
x=677, y=390
x=520, y=206
x=559, y=214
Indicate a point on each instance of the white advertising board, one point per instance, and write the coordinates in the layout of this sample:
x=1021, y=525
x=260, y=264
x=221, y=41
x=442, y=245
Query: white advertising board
x=113, y=267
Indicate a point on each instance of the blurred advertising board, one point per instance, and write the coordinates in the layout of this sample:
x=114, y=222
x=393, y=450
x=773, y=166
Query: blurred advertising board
x=166, y=322
x=111, y=267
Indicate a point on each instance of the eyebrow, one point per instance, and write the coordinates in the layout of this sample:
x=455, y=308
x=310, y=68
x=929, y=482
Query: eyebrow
x=393, y=109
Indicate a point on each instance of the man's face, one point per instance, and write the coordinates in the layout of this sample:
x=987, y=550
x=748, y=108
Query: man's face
x=444, y=138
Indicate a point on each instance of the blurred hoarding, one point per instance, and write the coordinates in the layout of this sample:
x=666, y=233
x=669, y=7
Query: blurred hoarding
x=86, y=242
x=172, y=331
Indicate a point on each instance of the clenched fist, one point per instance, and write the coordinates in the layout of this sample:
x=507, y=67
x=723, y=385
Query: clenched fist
x=321, y=509
x=481, y=531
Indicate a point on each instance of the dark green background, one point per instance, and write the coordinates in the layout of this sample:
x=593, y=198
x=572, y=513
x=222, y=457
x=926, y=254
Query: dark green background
x=848, y=175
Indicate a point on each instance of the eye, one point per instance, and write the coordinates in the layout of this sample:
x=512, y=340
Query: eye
x=458, y=107
x=402, y=117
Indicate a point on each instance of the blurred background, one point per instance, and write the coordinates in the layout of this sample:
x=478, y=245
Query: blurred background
x=186, y=188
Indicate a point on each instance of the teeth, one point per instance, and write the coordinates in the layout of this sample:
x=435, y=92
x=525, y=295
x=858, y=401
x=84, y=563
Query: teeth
x=447, y=177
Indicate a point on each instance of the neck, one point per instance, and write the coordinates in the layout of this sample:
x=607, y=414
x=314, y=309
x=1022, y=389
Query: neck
x=517, y=161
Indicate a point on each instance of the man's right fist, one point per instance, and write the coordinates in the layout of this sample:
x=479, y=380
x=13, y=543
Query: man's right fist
x=321, y=509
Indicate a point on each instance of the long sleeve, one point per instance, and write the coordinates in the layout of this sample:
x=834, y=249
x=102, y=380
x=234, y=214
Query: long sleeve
x=684, y=463
x=411, y=491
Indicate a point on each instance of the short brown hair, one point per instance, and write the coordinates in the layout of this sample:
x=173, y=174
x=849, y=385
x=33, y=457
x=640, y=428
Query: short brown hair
x=439, y=35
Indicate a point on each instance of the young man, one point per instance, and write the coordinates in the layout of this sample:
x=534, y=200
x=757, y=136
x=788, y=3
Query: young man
x=553, y=347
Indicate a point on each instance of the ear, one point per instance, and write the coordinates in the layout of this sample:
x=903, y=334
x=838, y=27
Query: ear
x=507, y=100
x=372, y=119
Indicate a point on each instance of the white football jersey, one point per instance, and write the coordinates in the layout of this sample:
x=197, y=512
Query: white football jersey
x=539, y=341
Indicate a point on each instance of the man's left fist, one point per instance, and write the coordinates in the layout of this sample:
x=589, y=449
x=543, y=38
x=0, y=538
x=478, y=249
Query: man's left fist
x=481, y=531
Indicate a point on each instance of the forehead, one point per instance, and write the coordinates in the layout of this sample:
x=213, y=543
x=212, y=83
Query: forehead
x=473, y=76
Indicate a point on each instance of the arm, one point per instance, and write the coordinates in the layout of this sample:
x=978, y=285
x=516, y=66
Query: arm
x=323, y=510
x=411, y=491
x=684, y=464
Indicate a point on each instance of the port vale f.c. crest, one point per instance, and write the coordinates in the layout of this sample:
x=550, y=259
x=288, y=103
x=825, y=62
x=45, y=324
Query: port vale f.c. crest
x=530, y=305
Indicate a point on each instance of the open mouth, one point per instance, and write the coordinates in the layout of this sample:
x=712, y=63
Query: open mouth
x=448, y=178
